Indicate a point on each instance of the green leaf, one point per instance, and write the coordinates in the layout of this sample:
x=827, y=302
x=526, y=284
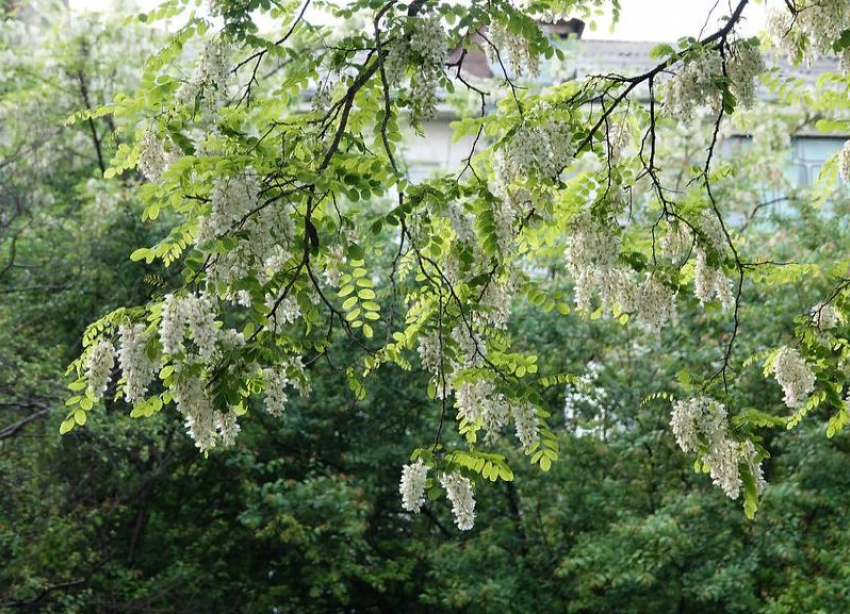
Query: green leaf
x=140, y=254
x=842, y=42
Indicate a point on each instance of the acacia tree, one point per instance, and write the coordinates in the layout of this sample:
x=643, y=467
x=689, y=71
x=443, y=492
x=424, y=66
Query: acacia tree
x=296, y=230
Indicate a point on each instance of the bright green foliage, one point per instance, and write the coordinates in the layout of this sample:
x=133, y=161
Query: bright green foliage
x=600, y=512
x=295, y=229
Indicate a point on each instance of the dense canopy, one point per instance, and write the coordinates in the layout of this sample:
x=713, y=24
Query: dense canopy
x=214, y=213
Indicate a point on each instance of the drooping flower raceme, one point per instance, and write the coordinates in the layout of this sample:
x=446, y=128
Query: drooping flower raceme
x=459, y=492
x=744, y=64
x=844, y=162
x=424, y=46
x=428, y=42
x=794, y=375
x=171, y=325
x=282, y=310
x=276, y=381
x=478, y=400
x=430, y=352
x=814, y=29
x=656, y=304
x=512, y=50
x=825, y=316
x=200, y=316
x=264, y=233
x=101, y=359
x=697, y=84
x=544, y=150
x=723, y=457
x=210, y=77
x=412, y=486
x=193, y=402
x=701, y=424
x=138, y=368
x=698, y=421
x=592, y=255
x=153, y=159
x=228, y=427
x=527, y=425
x=711, y=283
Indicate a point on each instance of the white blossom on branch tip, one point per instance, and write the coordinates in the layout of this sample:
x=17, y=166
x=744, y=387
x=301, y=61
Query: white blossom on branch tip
x=101, y=360
x=412, y=487
x=138, y=368
x=794, y=375
x=459, y=493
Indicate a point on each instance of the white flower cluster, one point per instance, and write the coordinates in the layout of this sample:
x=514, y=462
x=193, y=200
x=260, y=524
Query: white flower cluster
x=232, y=198
x=701, y=423
x=210, y=77
x=204, y=423
x=592, y=254
x=710, y=283
x=171, y=325
x=153, y=159
x=459, y=492
x=468, y=342
x=428, y=42
x=139, y=369
x=276, y=397
x=496, y=303
x=696, y=83
x=744, y=65
x=228, y=427
x=425, y=46
x=780, y=27
x=844, y=162
x=278, y=378
x=266, y=232
x=195, y=311
x=456, y=267
x=793, y=374
x=677, y=241
x=412, y=487
x=545, y=150
x=285, y=310
x=712, y=229
x=478, y=401
x=527, y=425
x=825, y=316
x=512, y=50
x=99, y=365
x=429, y=352
x=655, y=304
x=812, y=31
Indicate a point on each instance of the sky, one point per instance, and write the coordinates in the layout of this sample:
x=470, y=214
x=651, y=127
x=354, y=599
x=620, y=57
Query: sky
x=669, y=20
x=640, y=20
